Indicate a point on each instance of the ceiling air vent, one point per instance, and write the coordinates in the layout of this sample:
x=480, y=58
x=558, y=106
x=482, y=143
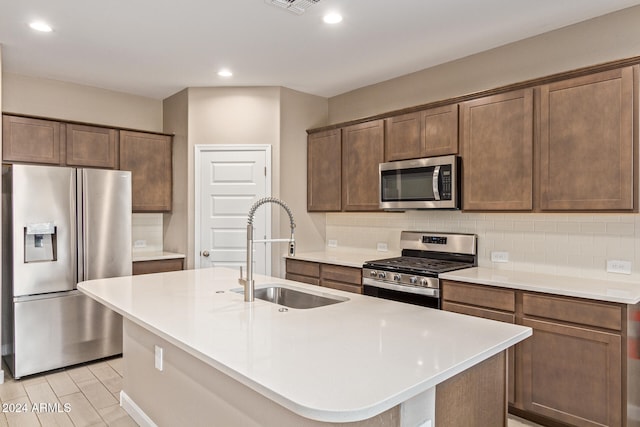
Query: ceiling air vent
x=296, y=6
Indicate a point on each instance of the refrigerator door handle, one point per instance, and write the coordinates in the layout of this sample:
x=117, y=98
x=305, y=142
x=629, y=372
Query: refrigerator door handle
x=79, y=255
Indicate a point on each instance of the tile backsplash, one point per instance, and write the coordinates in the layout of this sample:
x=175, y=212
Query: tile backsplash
x=146, y=233
x=565, y=244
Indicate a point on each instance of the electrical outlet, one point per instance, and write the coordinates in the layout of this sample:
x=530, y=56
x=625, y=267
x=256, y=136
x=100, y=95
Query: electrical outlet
x=158, y=359
x=499, y=256
x=382, y=247
x=140, y=244
x=618, y=266
x=332, y=243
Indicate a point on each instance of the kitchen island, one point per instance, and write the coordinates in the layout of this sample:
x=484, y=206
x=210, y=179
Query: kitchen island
x=196, y=354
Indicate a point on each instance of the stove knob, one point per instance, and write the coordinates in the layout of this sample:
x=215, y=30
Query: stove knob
x=424, y=282
x=413, y=280
x=397, y=277
x=373, y=273
x=382, y=275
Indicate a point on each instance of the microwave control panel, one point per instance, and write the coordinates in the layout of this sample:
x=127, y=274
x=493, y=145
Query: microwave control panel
x=445, y=182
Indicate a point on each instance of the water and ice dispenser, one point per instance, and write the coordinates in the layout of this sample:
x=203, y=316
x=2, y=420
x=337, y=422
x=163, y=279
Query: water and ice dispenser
x=40, y=242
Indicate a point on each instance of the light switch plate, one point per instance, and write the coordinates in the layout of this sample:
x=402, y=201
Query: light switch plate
x=158, y=359
x=497, y=256
x=618, y=266
x=332, y=243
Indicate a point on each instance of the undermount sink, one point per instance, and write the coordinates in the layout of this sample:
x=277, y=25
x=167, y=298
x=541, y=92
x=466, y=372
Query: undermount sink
x=293, y=298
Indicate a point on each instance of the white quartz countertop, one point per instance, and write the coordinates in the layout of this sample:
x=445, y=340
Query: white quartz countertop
x=155, y=255
x=337, y=363
x=602, y=290
x=346, y=257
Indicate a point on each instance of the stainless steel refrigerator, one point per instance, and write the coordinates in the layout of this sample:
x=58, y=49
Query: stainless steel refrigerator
x=61, y=226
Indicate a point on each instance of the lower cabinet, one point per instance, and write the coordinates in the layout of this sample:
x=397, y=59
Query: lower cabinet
x=488, y=303
x=328, y=275
x=571, y=370
x=158, y=266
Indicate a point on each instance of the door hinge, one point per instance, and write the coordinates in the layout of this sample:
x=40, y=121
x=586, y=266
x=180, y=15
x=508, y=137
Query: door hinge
x=265, y=171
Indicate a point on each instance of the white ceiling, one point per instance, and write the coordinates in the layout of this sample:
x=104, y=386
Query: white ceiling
x=155, y=48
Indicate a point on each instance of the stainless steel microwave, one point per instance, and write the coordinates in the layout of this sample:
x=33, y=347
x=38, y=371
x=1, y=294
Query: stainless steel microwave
x=428, y=183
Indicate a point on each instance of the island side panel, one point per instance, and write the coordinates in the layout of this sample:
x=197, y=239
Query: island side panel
x=476, y=397
x=190, y=392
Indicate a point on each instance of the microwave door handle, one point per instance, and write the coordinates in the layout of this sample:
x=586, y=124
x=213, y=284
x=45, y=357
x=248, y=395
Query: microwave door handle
x=436, y=183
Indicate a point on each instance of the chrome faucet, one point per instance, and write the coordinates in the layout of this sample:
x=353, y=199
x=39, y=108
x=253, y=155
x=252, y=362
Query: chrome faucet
x=248, y=282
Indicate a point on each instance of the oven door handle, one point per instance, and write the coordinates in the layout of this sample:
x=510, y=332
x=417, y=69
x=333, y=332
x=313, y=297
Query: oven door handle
x=402, y=288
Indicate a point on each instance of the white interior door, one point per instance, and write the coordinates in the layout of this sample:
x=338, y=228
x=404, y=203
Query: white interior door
x=231, y=179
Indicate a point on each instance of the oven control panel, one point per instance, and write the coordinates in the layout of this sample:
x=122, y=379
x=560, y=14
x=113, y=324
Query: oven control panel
x=434, y=240
x=400, y=278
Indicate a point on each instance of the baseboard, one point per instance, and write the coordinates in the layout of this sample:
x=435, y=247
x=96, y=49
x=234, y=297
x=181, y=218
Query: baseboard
x=134, y=411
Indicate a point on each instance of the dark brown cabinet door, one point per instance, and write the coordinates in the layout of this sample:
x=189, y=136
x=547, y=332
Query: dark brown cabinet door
x=440, y=131
x=91, y=146
x=324, y=171
x=148, y=157
x=428, y=133
x=497, y=150
x=31, y=140
x=572, y=374
x=403, y=137
x=362, y=152
x=587, y=143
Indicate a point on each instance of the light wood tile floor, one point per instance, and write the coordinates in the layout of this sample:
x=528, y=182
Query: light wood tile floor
x=86, y=395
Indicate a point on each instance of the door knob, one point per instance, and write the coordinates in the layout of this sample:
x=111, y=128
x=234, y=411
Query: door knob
x=205, y=253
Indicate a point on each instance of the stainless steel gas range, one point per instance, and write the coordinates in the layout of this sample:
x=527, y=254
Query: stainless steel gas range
x=413, y=277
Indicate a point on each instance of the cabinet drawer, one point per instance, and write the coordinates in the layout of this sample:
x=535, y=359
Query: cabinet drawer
x=479, y=312
x=303, y=268
x=351, y=275
x=570, y=310
x=303, y=279
x=158, y=266
x=480, y=295
x=341, y=286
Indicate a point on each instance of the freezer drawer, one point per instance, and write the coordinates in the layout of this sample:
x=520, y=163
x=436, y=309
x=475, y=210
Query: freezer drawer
x=62, y=330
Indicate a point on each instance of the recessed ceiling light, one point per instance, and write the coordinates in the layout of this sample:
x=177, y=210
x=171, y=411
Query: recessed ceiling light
x=332, y=18
x=40, y=26
x=225, y=73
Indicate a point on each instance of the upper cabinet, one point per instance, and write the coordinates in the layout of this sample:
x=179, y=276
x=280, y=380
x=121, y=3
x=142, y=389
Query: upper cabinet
x=91, y=146
x=362, y=152
x=149, y=158
x=497, y=152
x=324, y=171
x=31, y=140
x=34, y=140
x=432, y=132
x=587, y=145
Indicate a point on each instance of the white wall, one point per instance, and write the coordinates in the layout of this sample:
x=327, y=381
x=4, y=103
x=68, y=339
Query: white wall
x=299, y=112
x=69, y=101
x=603, y=39
x=175, y=235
